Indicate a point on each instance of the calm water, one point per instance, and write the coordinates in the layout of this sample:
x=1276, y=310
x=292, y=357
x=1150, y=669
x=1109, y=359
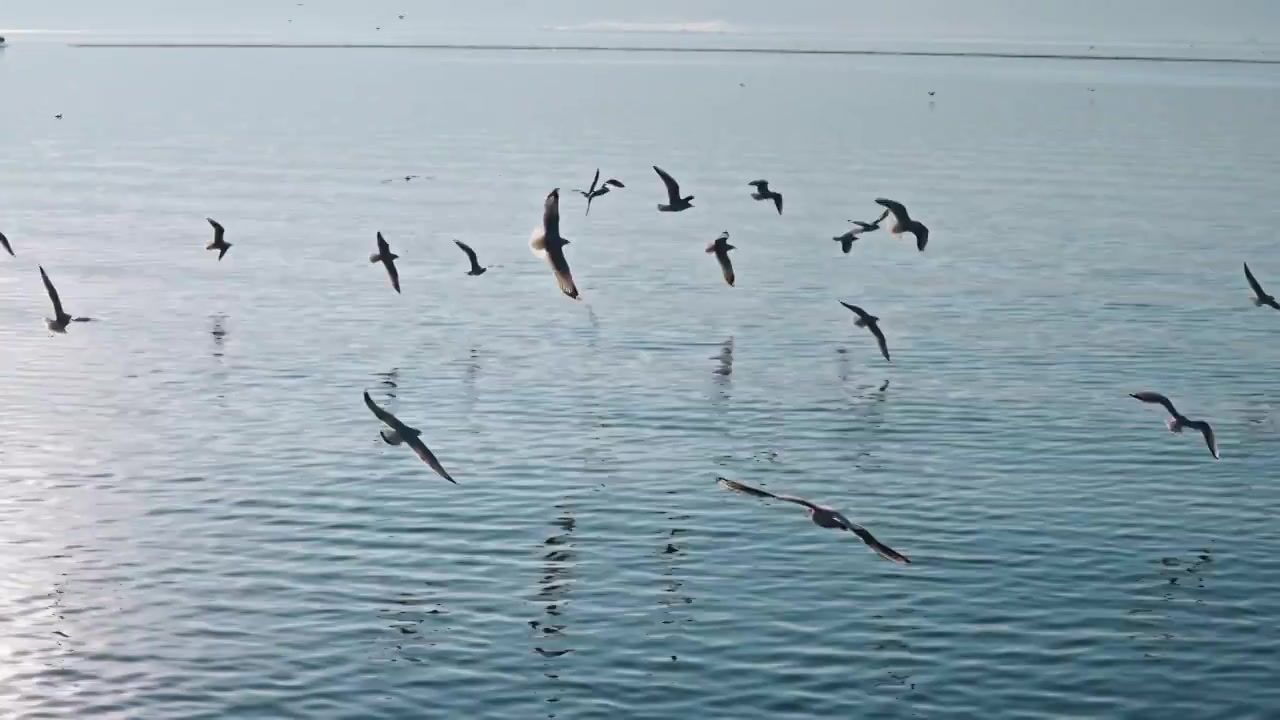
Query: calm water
x=198, y=519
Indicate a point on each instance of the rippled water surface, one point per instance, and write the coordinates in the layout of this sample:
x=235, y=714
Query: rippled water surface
x=197, y=518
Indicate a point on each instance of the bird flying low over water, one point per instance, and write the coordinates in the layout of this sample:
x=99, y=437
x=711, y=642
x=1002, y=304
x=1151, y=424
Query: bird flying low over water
x=823, y=517
x=1177, y=421
x=4, y=242
x=902, y=222
x=388, y=259
x=764, y=193
x=58, y=323
x=720, y=247
x=476, y=269
x=846, y=240
x=594, y=192
x=872, y=323
x=675, y=203
x=219, y=244
x=547, y=242
x=1260, y=296
x=400, y=433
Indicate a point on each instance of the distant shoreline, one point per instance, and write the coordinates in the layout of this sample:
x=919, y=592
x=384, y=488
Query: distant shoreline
x=706, y=50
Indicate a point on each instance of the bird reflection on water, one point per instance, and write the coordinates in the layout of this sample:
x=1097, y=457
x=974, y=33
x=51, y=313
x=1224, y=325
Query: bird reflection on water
x=219, y=334
x=559, y=561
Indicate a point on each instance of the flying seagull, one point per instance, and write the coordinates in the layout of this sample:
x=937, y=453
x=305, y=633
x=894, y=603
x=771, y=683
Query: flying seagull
x=594, y=192
x=675, y=203
x=824, y=517
x=388, y=259
x=4, y=241
x=1177, y=421
x=219, y=243
x=846, y=240
x=401, y=433
x=720, y=247
x=872, y=323
x=764, y=193
x=547, y=242
x=902, y=222
x=1261, y=297
x=60, y=318
x=471, y=255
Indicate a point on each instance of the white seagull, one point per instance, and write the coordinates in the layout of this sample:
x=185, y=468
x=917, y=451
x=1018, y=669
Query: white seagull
x=546, y=242
x=902, y=222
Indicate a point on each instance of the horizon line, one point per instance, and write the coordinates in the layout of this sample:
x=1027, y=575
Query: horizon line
x=666, y=49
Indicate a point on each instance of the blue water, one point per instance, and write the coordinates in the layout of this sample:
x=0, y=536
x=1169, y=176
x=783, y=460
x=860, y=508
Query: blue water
x=198, y=519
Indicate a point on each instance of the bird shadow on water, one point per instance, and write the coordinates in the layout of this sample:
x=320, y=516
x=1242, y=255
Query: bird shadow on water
x=724, y=369
x=388, y=382
x=219, y=334
x=559, y=561
x=1176, y=584
x=406, y=616
x=673, y=597
x=471, y=374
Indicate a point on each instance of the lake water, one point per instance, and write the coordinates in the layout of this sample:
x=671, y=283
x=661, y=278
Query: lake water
x=198, y=520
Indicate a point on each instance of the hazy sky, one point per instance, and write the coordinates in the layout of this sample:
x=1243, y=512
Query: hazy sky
x=1135, y=21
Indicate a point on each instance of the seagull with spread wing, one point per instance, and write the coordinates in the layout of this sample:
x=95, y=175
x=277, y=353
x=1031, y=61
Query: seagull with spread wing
x=1177, y=421
x=594, y=192
x=823, y=517
x=720, y=247
x=764, y=193
x=476, y=268
x=388, y=260
x=546, y=242
x=1260, y=296
x=397, y=433
x=902, y=222
x=871, y=323
x=675, y=203
x=846, y=240
x=219, y=243
x=58, y=323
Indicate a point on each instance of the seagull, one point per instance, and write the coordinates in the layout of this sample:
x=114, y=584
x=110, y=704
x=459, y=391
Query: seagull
x=547, y=242
x=902, y=222
x=471, y=255
x=1177, y=421
x=720, y=247
x=764, y=193
x=675, y=203
x=58, y=116
x=1262, y=298
x=60, y=318
x=219, y=244
x=4, y=242
x=846, y=240
x=595, y=192
x=387, y=258
x=401, y=433
x=872, y=323
x=823, y=517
